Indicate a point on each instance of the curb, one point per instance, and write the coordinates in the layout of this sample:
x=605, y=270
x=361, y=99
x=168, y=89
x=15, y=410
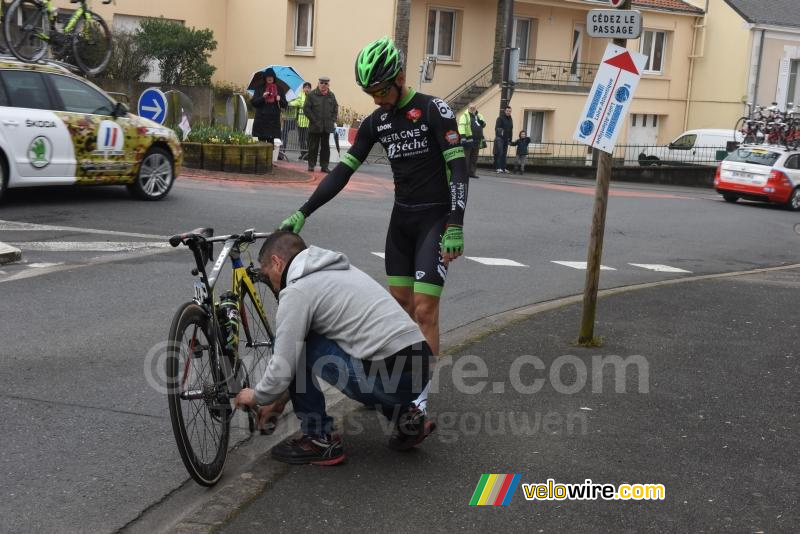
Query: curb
x=256, y=472
x=9, y=254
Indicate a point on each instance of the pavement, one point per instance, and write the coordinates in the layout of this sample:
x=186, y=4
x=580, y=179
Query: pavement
x=695, y=387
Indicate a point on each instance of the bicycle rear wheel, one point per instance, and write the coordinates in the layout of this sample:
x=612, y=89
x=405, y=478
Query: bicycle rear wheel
x=91, y=44
x=256, y=338
x=26, y=29
x=199, y=406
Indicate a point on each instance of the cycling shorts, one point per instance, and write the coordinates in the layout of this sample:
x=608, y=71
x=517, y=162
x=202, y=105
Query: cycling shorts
x=413, y=254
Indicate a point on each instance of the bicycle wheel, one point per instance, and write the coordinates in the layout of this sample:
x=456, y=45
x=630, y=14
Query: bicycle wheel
x=26, y=29
x=256, y=337
x=199, y=406
x=91, y=44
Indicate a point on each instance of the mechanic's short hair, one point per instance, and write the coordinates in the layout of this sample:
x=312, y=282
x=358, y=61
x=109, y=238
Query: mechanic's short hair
x=283, y=244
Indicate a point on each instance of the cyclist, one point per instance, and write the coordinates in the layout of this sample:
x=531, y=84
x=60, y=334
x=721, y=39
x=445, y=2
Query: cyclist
x=421, y=139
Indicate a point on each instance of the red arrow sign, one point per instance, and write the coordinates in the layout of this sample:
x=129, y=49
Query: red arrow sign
x=624, y=61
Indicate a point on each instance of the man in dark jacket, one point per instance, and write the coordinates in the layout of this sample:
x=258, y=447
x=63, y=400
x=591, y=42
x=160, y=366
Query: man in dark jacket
x=504, y=133
x=321, y=109
x=268, y=101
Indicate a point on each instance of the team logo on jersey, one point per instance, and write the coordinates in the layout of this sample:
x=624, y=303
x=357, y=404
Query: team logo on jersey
x=110, y=139
x=420, y=275
x=452, y=137
x=414, y=114
x=423, y=127
x=444, y=109
x=40, y=152
x=384, y=127
x=442, y=270
x=383, y=116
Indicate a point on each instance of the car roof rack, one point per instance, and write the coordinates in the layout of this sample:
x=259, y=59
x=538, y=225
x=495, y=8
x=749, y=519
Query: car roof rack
x=67, y=67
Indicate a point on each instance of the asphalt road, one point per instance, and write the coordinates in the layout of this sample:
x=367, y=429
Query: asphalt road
x=87, y=443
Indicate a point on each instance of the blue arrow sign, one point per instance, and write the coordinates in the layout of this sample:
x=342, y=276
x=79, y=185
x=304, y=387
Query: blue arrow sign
x=153, y=105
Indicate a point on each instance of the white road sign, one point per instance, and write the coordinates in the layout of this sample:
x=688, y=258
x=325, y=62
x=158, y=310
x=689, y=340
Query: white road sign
x=614, y=23
x=607, y=106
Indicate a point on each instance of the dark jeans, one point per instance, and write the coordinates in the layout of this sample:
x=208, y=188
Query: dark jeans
x=471, y=156
x=319, y=143
x=388, y=388
x=302, y=139
x=500, y=152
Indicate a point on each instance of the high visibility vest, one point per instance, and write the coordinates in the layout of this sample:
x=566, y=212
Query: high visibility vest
x=302, y=120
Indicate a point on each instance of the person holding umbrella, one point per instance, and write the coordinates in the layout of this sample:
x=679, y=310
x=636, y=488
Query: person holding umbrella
x=268, y=99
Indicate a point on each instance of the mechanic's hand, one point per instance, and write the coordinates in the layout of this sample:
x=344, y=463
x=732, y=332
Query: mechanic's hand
x=452, y=244
x=268, y=416
x=246, y=397
x=293, y=223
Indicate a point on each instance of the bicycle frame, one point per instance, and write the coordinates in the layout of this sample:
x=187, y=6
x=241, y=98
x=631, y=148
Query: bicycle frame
x=241, y=281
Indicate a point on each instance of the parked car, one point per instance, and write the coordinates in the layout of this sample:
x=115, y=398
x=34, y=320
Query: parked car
x=693, y=147
x=767, y=173
x=57, y=128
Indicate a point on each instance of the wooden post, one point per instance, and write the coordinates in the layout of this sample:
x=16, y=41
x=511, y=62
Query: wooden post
x=595, y=255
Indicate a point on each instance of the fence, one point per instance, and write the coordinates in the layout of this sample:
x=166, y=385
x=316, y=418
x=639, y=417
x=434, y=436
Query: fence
x=580, y=155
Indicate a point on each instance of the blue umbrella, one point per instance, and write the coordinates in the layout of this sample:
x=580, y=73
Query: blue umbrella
x=290, y=79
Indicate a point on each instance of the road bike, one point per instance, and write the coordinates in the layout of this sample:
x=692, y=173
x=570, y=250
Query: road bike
x=771, y=125
x=216, y=348
x=30, y=26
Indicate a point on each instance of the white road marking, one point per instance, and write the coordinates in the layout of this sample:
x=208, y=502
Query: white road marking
x=44, y=265
x=659, y=268
x=581, y=265
x=31, y=227
x=89, y=246
x=502, y=262
x=381, y=255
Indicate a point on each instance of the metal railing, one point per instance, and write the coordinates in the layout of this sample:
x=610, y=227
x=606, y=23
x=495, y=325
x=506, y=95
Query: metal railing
x=571, y=154
x=565, y=75
x=476, y=84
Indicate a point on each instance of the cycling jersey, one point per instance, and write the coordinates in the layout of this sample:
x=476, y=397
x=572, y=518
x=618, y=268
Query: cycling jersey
x=421, y=140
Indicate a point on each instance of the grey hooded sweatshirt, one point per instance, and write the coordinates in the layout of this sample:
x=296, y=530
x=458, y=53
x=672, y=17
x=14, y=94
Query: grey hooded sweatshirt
x=326, y=295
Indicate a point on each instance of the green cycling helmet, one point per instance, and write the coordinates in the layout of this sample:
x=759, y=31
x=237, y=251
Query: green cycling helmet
x=377, y=63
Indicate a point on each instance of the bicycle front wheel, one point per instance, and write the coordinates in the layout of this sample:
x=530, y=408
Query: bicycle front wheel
x=91, y=44
x=199, y=406
x=26, y=29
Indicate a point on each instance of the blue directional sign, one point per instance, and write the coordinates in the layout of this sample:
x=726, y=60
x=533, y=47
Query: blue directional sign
x=153, y=105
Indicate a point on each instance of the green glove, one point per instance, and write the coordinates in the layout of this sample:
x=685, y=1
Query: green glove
x=293, y=223
x=453, y=240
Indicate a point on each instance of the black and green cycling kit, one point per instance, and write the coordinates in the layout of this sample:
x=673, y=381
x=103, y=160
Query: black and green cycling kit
x=421, y=140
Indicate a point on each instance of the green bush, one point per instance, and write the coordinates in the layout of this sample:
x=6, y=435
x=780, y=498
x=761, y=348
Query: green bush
x=218, y=134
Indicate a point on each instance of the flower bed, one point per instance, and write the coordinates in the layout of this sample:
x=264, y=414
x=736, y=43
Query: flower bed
x=217, y=148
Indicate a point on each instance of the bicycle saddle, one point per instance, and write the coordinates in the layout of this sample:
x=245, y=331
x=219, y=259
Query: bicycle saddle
x=198, y=234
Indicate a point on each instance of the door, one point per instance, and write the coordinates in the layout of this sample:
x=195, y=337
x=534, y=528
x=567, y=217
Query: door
x=576, y=54
x=104, y=153
x=642, y=136
x=38, y=143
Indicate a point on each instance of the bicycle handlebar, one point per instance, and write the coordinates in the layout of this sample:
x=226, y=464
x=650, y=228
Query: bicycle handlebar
x=205, y=235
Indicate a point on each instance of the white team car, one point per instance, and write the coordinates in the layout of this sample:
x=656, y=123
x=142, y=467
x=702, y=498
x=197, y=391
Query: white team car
x=57, y=128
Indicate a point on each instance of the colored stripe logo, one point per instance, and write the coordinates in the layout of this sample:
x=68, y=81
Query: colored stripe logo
x=495, y=489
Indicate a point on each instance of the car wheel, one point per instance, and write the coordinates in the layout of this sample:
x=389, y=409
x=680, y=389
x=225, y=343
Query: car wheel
x=643, y=161
x=794, y=200
x=653, y=160
x=156, y=175
x=730, y=197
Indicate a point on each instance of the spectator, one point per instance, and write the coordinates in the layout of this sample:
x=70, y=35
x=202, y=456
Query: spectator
x=504, y=133
x=470, y=126
x=302, y=120
x=321, y=109
x=522, y=150
x=268, y=100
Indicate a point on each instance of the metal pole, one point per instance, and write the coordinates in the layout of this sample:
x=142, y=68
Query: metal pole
x=595, y=255
x=506, y=89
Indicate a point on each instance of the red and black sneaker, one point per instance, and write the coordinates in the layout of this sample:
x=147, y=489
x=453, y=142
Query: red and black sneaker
x=412, y=427
x=305, y=449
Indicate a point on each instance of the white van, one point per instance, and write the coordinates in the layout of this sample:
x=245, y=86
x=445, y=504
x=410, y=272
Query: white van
x=693, y=147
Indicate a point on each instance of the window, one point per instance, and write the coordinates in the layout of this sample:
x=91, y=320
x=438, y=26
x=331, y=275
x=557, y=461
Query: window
x=793, y=162
x=577, y=47
x=652, y=44
x=793, y=95
x=303, y=24
x=534, y=125
x=3, y=96
x=441, y=33
x=521, y=36
x=26, y=89
x=81, y=98
x=684, y=142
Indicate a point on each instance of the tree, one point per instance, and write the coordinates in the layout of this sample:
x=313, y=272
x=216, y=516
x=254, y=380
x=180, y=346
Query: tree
x=129, y=61
x=182, y=53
